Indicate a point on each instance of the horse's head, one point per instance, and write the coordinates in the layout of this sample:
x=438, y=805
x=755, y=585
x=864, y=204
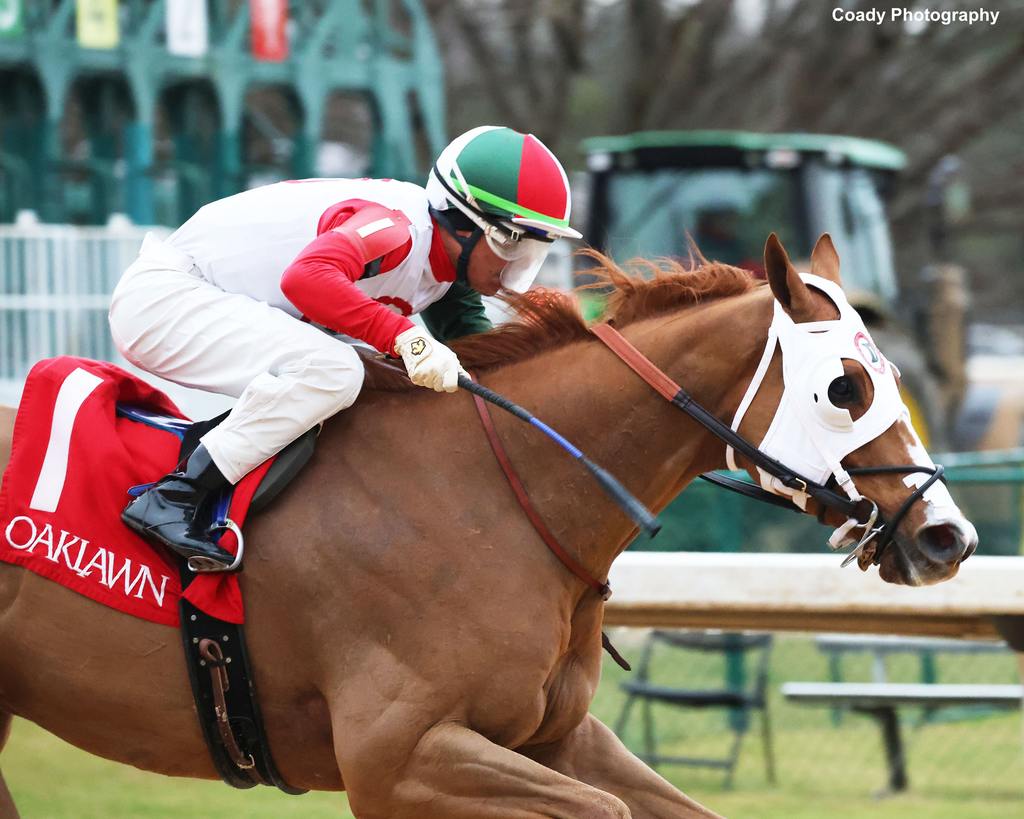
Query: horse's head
x=825, y=402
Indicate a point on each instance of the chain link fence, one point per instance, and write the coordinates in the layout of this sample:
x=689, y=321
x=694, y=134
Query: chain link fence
x=952, y=753
x=956, y=754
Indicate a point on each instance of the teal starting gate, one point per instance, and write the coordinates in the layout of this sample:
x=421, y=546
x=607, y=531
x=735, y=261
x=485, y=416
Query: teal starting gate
x=136, y=129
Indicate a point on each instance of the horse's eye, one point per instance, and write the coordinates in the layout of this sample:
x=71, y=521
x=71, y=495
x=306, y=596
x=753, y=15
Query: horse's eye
x=842, y=390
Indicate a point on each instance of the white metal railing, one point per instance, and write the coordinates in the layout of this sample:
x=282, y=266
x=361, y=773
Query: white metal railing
x=55, y=286
x=804, y=592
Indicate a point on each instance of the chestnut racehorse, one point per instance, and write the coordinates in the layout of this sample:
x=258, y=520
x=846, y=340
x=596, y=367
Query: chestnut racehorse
x=413, y=641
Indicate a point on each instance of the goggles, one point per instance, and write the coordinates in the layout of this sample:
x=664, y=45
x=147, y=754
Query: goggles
x=523, y=251
x=505, y=244
x=522, y=247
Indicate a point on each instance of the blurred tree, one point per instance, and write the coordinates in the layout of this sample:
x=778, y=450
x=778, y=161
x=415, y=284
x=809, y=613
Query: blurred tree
x=512, y=62
x=569, y=68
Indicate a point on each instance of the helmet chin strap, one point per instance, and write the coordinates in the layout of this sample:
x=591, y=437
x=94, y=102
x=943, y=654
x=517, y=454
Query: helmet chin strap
x=467, y=243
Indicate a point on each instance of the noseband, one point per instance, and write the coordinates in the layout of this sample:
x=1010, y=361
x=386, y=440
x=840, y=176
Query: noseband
x=864, y=512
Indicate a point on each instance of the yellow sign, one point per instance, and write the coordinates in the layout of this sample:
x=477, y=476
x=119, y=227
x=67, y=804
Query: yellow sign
x=96, y=23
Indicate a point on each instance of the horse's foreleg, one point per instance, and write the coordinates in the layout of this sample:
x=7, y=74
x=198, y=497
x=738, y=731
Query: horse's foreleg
x=593, y=754
x=456, y=773
x=7, y=808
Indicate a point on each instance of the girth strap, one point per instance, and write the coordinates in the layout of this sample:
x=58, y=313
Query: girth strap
x=222, y=685
x=215, y=661
x=523, y=498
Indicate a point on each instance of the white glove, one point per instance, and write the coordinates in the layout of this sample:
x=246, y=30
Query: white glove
x=428, y=361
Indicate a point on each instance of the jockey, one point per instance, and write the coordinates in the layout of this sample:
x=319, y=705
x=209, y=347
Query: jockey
x=229, y=302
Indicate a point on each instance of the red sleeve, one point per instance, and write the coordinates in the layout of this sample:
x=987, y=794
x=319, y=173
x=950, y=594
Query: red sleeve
x=320, y=284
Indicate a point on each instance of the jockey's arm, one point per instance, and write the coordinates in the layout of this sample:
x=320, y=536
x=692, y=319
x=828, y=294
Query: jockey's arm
x=460, y=312
x=321, y=283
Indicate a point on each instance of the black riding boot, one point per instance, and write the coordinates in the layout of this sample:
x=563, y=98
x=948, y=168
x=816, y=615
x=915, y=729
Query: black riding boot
x=176, y=511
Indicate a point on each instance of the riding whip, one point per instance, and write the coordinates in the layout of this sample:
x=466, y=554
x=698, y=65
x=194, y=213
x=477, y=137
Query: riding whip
x=636, y=511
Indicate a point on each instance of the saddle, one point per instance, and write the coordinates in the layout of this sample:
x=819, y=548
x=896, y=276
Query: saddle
x=79, y=419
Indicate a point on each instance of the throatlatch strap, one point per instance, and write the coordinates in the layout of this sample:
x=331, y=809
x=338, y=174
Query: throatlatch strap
x=546, y=535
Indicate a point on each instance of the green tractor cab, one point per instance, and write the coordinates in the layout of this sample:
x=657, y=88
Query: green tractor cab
x=648, y=192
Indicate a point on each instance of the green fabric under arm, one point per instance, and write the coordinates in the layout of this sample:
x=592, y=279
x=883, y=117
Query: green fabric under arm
x=459, y=312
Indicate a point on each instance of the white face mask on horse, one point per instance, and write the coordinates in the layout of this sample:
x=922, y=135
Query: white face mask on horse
x=810, y=433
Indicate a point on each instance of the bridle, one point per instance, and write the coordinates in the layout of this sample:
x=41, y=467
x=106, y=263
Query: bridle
x=863, y=513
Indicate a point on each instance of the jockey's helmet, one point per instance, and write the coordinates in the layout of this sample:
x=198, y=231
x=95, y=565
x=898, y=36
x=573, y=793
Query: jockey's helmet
x=508, y=188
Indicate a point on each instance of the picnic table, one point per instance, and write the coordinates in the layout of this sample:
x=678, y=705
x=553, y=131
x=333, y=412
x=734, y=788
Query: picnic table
x=882, y=700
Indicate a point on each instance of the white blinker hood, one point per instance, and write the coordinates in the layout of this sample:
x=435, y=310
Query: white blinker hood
x=809, y=433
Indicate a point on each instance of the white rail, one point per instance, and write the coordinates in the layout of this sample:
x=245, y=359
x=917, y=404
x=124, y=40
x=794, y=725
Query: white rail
x=799, y=592
x=55, y=286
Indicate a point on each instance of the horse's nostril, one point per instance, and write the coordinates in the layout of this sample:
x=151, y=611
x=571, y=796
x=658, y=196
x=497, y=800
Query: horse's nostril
x=943, y=543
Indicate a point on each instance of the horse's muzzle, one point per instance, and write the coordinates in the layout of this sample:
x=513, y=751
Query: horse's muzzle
x=947, y=542
x=933, y=554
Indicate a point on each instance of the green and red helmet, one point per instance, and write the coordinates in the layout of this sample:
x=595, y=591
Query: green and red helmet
x=501, y=178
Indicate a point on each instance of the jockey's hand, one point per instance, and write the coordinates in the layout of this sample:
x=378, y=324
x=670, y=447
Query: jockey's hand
x=428, y=361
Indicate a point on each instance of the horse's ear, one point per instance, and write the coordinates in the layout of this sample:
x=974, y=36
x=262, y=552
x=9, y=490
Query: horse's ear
x=825, y=260
x=787, y=286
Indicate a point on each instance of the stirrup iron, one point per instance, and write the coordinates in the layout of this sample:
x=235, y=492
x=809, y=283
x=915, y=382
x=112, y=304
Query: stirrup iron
x=199, y=564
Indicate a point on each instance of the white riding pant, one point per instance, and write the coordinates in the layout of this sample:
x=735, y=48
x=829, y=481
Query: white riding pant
x=288, y=375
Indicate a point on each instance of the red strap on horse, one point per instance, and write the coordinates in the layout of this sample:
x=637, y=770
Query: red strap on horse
x=549, y=539
x=636, y=360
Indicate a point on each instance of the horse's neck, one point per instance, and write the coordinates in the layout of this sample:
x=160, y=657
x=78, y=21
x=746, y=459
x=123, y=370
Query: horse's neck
x=597, y=402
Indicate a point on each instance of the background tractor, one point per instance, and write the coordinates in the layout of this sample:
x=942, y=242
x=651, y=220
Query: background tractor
x=648, y=192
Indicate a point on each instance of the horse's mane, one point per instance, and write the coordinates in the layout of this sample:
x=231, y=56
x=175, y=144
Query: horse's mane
x=547, y=319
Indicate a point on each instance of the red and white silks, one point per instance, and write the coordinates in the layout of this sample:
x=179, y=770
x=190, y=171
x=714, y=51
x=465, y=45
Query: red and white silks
x=288, y=375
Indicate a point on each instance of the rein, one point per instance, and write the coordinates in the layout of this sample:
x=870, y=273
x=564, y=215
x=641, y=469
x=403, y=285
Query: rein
x=571, y=563
x=864, y=512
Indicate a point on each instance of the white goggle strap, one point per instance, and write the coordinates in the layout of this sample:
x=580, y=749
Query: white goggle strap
x=455, y=169
x=515, y=233
x=835, y=465
x=845, y=481
x=755, y=385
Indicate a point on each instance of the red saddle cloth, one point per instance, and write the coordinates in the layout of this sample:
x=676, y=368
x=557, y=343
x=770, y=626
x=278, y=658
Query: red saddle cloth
x=73, y=460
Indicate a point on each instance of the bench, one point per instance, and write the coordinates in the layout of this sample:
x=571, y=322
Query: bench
x=881, y=647
x=882, y=701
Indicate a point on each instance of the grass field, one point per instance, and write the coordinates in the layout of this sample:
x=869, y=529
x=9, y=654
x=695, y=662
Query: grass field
x=969, y=768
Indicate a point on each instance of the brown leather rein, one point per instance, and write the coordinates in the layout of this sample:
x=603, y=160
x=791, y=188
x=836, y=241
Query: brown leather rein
x=571, y=563
x=673, y=393
x=567, y=560
x=825, y=495
x=681, y=399
x=644, y=368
